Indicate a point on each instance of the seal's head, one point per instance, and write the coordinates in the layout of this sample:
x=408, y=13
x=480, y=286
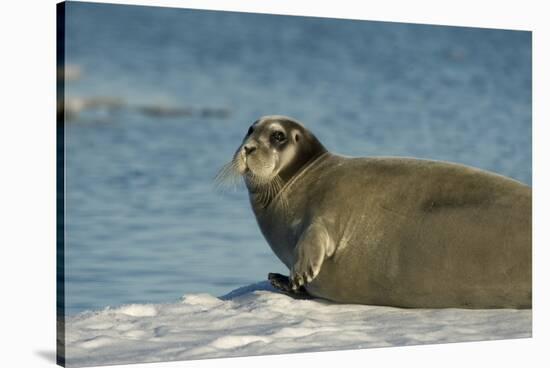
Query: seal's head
x=275, y=148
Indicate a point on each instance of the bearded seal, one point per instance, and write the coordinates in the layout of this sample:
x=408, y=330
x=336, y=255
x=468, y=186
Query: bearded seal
x=391, y=231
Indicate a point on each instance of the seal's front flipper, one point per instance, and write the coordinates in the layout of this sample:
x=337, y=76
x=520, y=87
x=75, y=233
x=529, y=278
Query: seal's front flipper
x=282, y=283
x=313, y=247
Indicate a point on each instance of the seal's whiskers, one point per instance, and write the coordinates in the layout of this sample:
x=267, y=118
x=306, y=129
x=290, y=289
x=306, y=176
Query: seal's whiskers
x=228, y=177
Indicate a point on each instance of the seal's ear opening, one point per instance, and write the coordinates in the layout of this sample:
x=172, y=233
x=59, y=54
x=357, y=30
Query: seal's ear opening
x=296, y=137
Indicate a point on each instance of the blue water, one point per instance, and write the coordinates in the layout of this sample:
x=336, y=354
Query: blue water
x=143, y=220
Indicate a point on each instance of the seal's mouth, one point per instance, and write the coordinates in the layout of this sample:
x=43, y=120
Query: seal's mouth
x=253, y=167
x=243, y=165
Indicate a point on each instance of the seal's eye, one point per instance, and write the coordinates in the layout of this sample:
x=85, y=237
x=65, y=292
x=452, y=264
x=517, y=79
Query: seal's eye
x=278, y=136
x=250, y=130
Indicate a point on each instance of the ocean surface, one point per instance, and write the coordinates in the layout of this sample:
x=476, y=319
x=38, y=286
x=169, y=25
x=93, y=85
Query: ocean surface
x=160, y=99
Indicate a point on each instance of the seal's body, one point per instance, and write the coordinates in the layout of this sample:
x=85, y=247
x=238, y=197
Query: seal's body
x=405, y=232
x=390, y=231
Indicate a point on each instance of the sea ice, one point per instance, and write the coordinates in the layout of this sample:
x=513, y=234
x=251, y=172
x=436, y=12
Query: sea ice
x=256, y=320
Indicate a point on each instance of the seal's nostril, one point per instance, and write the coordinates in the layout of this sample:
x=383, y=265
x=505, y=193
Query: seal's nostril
x=249, y=149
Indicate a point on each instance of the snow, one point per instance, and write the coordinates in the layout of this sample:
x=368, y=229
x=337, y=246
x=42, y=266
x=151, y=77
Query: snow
x=257, y=320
